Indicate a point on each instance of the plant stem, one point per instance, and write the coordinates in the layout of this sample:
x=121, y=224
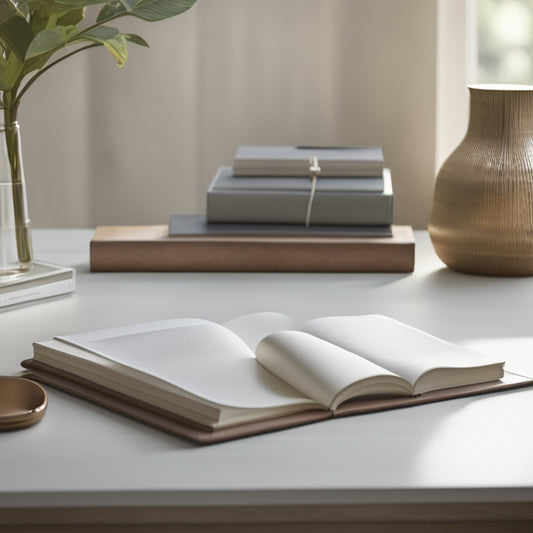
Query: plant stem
x=10, y=104
x=23, y=235
x=40, y=72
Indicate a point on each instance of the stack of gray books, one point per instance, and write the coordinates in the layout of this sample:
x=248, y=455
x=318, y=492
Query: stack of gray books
x=273, y=185
x=277, y=209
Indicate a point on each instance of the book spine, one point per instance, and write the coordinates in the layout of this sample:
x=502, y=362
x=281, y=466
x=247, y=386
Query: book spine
x=290, y=208
x=270, y=255
x=37, y=293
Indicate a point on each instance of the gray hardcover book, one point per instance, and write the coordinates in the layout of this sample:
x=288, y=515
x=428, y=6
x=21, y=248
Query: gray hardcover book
x=197, y=226
x=253, y=160
x=290, y=207
x=226, y=180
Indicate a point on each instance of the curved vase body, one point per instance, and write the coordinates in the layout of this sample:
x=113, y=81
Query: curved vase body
x=482, y=216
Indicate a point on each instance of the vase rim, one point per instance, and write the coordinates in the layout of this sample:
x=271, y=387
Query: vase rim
x=501, y=87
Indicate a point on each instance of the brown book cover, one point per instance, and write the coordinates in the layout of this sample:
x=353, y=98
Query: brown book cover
x=151, y=249
x=159, y=418
x=176, y=425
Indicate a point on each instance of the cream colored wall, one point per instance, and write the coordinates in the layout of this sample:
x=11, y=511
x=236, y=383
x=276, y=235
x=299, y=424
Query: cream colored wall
x=456, y=65
x=104, y=145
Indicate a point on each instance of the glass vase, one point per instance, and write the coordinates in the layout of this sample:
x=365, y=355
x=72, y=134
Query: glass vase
x=16, y=255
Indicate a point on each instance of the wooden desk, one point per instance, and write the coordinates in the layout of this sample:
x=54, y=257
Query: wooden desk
x=465, y=462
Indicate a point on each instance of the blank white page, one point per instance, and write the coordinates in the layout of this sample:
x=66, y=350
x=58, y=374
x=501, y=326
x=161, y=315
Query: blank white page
x=320, y=369
x=402, y=349
x=199, y=356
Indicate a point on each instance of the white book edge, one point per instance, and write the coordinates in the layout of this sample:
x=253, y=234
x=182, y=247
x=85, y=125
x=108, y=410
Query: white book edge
x=39, y=292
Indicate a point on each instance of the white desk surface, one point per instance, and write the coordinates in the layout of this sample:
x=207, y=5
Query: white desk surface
x=471, y=450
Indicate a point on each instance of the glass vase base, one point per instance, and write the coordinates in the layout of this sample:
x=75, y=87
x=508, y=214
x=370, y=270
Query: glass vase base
x=16, y=251
x=18, y=270
x=13, y=259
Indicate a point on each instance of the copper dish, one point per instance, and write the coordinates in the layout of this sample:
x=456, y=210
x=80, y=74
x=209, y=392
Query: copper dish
x=22, y=403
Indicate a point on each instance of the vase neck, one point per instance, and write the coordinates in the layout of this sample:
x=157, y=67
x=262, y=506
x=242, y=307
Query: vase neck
x=501, y=113
x=11, y=168
x=9, y=126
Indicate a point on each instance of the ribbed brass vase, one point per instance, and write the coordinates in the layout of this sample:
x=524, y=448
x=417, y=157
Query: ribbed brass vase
x=482, y=215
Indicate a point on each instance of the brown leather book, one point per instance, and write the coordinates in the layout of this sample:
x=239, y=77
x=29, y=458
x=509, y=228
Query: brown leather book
x=206, y=382
x=151, y=249
x=175, y=425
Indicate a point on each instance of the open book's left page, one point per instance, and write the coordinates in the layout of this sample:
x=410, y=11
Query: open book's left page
x=199, y=360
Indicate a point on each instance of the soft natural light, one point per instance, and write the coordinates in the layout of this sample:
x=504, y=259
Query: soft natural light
x=511, y=23
x=505, y=41
x=515, y=64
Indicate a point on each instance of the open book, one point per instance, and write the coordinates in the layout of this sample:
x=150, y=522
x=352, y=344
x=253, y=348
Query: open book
x=212, y=382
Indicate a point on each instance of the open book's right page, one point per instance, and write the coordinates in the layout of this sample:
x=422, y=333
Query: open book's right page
x=426, y=362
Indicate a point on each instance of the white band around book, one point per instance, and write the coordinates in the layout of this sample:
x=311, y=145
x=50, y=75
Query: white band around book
x=314, y=171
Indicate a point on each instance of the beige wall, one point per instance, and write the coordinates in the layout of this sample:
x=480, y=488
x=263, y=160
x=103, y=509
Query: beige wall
x=104, y=145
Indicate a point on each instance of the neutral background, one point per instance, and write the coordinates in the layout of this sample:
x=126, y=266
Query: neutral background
x=104, y=145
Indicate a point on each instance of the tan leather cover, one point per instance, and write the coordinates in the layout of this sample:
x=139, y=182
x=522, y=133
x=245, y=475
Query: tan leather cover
x=159, y=418
x=149, y=248
x=509, y=381
x=183, y=428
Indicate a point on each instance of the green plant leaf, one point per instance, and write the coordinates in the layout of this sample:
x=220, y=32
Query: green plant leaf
x=136, y=39
x=72, y=17
x=149, y=10
x=10, y=70
x=16, y=35
x=9, y=9
x=48, y=40
x=43, y=12
x=32, y=31
x=111, y=38
x=26, y=6
x=81, y=3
